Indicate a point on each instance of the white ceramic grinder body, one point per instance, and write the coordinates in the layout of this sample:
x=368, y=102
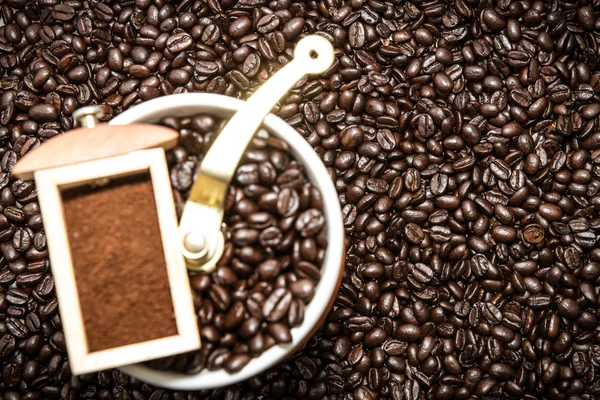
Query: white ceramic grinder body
x=188, y=104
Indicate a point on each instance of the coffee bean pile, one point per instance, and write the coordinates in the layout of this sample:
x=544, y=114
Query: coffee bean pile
x=274, y=249
x=462, y=137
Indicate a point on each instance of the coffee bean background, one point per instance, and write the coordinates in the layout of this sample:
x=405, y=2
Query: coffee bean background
x=462, y=137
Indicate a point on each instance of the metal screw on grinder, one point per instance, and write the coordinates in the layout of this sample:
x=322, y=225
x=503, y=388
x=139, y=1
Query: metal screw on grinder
x=195, y=246
x=88, y=117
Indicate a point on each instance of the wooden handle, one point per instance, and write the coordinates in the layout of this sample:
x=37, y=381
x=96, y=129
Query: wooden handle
x=103, y=141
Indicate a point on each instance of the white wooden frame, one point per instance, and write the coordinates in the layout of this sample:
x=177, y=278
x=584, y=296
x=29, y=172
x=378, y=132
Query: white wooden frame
x=49, y=184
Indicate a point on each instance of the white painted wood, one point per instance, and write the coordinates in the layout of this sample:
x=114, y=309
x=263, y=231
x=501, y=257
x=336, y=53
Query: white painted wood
x=171, y=239
x=49, y=183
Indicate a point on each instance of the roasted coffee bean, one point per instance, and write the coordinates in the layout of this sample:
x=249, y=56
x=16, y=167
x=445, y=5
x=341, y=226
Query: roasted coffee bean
x=303, y=289
x=237, y=362
x=179, y=42
x=251, y=65
x=356, y=35
x=280, y=332
x=277, y=304
x=7, y=345
x=414, y=234
x=310, y=222
x=268, y=23
x=287, y=202
x=43, y=113
x=240, y=26
x=409, y=332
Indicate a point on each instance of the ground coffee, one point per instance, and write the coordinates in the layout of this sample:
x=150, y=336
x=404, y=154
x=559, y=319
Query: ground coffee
x=119, y=263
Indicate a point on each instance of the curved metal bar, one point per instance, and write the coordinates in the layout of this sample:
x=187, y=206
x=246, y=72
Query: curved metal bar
x=202, y=217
